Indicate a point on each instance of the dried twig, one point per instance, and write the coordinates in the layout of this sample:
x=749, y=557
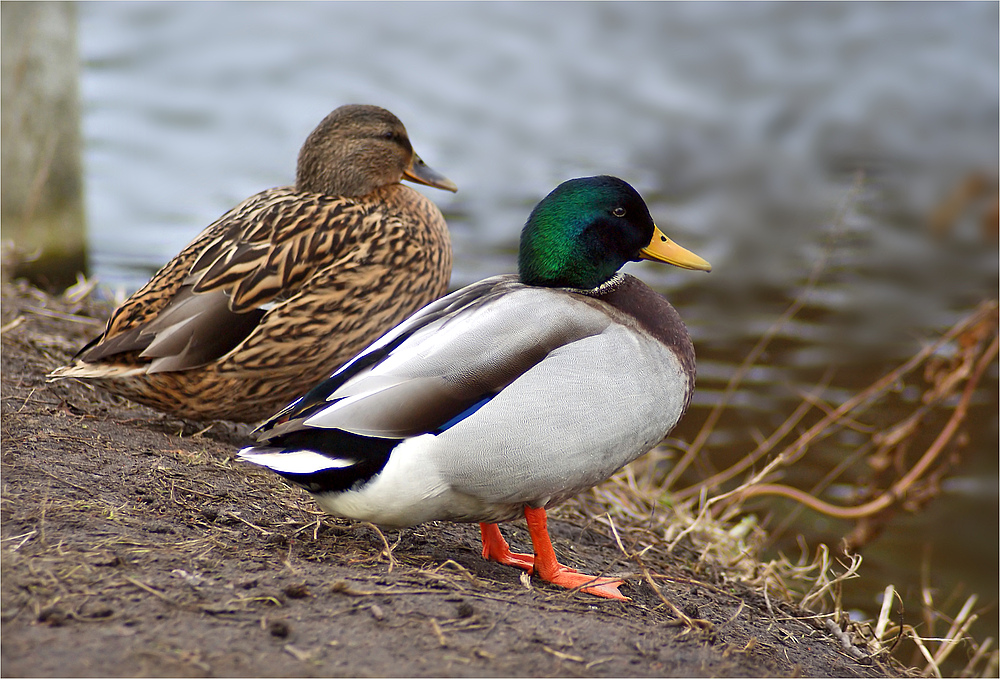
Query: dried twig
x=385, y=542
x=898, y=489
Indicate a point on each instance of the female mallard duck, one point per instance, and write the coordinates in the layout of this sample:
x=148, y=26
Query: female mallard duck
x=285, y=287
x=510, y=395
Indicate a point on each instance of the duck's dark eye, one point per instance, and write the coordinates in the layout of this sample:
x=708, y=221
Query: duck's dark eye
x=618, y=212
x=388, y=135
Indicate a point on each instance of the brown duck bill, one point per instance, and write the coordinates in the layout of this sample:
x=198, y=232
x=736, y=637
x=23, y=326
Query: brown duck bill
x=420, y=172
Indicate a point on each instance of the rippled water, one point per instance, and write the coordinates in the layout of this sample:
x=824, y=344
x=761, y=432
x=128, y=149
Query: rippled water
x=744, y=125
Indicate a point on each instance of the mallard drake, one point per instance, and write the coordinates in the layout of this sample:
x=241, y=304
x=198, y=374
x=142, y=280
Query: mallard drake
x=285, y=287
x=510, y=395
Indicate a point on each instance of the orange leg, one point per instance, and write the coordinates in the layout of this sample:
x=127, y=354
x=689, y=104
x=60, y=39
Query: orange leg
x=549, y=568
x=495, y=548
x=544, y=562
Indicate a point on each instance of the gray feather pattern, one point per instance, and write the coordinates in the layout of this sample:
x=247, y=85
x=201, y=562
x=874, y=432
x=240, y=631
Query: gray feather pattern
x=580, y=389
x=453, y=362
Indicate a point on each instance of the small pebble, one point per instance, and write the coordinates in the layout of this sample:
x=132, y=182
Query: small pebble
x=52, y=616
x=279, y=628
x=109, y=561
x=97, y=610
x=297, y=591
x=465, y=610
x=377, y=612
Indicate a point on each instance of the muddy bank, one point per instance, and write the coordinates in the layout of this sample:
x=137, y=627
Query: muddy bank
x=134, y=544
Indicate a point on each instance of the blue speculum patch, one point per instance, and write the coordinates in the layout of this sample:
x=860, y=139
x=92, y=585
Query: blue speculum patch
x=464, y=414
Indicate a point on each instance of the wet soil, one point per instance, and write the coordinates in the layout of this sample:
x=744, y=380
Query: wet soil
x=134, y=544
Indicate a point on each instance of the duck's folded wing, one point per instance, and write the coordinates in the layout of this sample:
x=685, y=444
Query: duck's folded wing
x=190, y=331
x=274, y=246
x=443, y=362
x=215, y=293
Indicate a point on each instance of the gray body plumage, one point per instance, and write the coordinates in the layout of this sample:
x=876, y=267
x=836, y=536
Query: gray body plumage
x=579, y=385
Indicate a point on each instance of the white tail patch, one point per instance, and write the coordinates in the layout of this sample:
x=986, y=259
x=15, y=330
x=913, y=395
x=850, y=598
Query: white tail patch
x=286, y=461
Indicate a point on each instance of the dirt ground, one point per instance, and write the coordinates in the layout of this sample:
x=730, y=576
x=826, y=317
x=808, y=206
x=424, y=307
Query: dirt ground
x=133, y=544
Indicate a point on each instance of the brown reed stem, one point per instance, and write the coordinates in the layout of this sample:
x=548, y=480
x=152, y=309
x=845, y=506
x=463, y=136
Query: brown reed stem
x=898, y=489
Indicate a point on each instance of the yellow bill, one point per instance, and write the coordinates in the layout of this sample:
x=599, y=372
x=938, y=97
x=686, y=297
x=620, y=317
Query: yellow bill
x=662, y=249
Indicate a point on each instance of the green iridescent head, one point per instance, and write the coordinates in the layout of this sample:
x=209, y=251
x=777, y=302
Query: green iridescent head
x=579, y=235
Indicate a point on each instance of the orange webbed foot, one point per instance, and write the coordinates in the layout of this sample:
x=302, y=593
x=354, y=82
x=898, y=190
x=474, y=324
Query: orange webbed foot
x=591, y=584
x=549, y=569
x=544, y=562
x=495, y=548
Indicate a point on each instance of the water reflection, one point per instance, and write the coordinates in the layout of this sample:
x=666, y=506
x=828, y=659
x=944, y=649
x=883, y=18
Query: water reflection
x=766, y=137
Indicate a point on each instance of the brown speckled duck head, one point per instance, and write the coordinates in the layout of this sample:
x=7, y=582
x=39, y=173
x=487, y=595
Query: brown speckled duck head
x=359, y=148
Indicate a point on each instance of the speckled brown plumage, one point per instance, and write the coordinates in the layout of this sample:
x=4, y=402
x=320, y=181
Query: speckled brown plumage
x=285, y=287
